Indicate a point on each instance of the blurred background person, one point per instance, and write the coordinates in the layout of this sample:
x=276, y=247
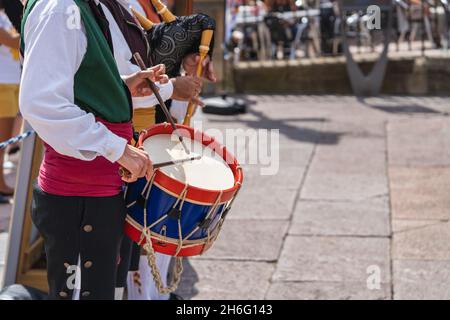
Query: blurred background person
x=9, y=89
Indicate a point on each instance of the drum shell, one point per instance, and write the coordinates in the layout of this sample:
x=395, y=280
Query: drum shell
x=161, y=202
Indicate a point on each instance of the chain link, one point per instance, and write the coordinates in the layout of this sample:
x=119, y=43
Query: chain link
x=15, y=139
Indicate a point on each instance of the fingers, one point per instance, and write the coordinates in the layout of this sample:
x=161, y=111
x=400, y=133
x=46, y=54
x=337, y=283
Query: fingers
x=147, y=74
x=155, y=74
x=198, y=102
x=142, y=91
x=129, y=179
x=205, y=61
x=149, y=170
x=160, y=71
x=211, y=74
x=136, y=164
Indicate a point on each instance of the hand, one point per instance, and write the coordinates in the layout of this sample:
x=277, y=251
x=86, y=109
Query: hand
x=191, y=62
x=137, y=162
x=187, y=89
x=137, y=81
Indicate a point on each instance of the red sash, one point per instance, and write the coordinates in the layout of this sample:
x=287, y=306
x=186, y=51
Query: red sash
x=66, y=176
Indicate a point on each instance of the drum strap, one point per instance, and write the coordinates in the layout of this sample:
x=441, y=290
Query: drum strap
x=148, y=246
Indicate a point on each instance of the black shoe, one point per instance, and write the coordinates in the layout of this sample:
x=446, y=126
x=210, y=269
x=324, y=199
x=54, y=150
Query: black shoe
x=13, y=150
x=6, y=194
x=4, y=200
x=174, y=296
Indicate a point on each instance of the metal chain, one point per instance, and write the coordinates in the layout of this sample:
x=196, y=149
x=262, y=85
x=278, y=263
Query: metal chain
x=15, y=139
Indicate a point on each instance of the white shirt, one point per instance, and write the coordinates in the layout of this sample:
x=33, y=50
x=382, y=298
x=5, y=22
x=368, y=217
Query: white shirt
x=9, y=64
x=54, y=52
x=135, y=5
x=123, y=56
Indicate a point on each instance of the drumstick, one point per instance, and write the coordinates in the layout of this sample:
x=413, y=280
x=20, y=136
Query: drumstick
x=154, y=88
x=125, y=173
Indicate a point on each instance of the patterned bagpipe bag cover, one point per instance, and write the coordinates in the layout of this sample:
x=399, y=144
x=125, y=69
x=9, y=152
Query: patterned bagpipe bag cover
x=173, y=41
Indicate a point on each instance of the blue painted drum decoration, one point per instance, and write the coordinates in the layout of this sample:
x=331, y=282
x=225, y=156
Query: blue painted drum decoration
x=180, y=211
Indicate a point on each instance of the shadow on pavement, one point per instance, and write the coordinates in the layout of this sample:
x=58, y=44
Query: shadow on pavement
x=401, y=109
x=187, y=288
x=293, y=132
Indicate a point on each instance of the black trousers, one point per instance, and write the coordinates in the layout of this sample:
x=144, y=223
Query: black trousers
x=85, y=228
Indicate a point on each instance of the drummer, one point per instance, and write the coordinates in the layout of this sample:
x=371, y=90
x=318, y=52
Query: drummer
x=182, y=89
x=84, y=118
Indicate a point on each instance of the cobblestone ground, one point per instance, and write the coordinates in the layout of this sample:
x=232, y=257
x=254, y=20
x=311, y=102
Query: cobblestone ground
x=359, y=208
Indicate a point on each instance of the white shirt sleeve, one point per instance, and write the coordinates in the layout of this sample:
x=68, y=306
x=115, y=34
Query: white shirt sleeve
x=165, y=90
x=53, y=55
x=179, y=109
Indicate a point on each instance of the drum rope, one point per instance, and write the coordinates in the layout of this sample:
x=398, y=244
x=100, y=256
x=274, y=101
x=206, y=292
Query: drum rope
x=147, y=187
x=145, y=229
x=180, y=230
x=210, y=212
x=216, y=205
x=151, y=256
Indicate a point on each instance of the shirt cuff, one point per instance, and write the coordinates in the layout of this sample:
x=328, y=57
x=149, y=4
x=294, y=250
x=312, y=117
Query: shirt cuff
x=114, y=148
x=166, y=90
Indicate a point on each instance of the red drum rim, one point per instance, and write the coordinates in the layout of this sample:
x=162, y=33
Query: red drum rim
x=195, y=194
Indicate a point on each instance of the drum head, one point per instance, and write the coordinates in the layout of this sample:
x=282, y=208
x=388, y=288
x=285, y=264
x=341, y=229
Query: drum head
x=211, y=172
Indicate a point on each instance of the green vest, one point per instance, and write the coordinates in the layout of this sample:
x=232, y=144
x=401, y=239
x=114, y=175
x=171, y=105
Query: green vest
x=98, y=87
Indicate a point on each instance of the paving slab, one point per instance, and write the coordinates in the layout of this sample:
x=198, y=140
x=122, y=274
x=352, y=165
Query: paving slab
x=420, y=193
x=421, y=280
x=264, y=202
x=225, y=280
x=431, y=242
x=5, y=214
x=287, y=177
x=249, y=240
x=351, y=218
x=3, y=246
x=327, y=291
x=419, y=142
x=400, y=225
x=336, y=259
x=2, y=272
x=353, y=169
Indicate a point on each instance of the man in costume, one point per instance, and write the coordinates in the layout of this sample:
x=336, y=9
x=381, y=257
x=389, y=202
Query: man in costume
x=130, y=38
x=74, y=97
x=140, y=283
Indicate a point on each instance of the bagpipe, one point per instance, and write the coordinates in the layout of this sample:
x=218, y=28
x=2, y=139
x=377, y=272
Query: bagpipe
x=177, y=37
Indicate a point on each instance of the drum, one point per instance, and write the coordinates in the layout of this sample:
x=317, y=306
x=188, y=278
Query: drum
x=182, y=208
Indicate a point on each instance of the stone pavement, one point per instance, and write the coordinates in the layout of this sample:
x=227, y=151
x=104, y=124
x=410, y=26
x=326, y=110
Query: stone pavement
x=359, y=208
